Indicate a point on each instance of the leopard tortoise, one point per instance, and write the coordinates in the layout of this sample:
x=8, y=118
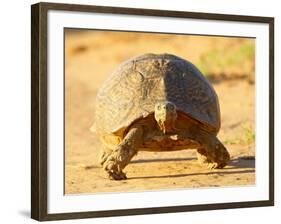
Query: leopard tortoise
x=157, y=102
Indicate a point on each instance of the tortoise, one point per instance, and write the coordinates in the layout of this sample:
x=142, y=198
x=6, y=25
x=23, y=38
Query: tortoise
x=157, y=102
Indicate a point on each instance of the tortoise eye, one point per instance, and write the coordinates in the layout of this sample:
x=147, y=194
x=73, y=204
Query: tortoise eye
x=158, y=107
x=170, y=106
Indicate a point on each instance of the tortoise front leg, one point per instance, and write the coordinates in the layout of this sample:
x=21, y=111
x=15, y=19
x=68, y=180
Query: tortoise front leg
x=104, y=155
x=122, y=155
x=213, y=153
x=202, y=156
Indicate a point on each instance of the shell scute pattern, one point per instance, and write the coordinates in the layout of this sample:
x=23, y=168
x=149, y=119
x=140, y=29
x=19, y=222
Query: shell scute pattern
x=138, y=84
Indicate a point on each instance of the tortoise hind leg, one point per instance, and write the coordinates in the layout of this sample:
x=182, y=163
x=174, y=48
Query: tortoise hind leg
x=122, y=155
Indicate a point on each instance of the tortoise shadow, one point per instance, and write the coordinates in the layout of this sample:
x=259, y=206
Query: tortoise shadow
x=162, y=160
x=242, y=163
x=191, y=174
x=239, y=162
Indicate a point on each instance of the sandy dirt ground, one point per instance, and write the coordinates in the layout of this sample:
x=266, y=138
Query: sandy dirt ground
x=91, y=56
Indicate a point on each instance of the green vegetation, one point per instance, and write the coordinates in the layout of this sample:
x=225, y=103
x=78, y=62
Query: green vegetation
x=239, y=61
x=248, y=137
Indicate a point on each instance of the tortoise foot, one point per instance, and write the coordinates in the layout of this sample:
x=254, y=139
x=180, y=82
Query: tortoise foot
x=220, y=159
x=113, y=170
x=215, y=160
x=212, y=166
x=115, y=163
x=117, y=175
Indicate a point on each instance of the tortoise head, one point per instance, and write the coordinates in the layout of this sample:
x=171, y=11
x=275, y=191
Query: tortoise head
x=165, y=114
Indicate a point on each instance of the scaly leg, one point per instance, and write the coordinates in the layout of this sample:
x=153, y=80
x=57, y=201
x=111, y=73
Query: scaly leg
x=122, y=155
x=202, y=156
x=213, y=153
x=104, y=155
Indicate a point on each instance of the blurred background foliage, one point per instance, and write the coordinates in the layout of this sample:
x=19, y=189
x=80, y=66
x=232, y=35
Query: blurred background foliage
x=236, y=63
x=217, y=57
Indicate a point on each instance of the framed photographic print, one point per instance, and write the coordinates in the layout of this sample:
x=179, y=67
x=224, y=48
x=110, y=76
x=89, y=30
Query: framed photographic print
x=139, y=111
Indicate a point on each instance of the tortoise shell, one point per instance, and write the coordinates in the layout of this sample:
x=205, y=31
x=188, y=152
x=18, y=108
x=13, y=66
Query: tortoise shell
x=132, y=91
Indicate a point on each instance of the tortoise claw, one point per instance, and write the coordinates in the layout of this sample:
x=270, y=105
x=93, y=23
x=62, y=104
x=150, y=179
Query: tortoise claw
x=117, y=176
x=212, y=166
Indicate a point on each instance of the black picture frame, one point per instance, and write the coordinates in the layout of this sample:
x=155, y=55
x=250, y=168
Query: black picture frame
x=39, y=106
